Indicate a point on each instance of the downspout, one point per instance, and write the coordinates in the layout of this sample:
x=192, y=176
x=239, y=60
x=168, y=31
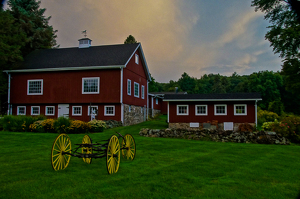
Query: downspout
x=9, y=108
x=168, y=114
x=147, y=100
x=121, y=98
x=256, y=113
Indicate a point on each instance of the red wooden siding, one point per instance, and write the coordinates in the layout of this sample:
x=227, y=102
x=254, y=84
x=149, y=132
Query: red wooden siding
x=230, y=117
x=83, y=117
x=164, y=107
x=66, y=87
x=136, y=73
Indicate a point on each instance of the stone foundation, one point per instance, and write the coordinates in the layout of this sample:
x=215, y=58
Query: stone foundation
x=261, y=137
x=134, y=114
x=216, y=126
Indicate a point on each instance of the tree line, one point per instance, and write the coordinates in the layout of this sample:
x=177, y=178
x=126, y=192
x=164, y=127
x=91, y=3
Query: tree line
x=271, y=85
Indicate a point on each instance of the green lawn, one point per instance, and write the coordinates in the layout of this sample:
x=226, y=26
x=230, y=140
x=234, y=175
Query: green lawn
x=162, y=168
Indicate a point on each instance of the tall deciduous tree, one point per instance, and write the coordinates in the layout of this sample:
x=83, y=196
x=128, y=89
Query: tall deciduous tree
x=39, y=34
x=284, y=33
x=130, y=40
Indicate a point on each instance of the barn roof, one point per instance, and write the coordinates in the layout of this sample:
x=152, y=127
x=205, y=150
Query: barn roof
x=213, y=97
x=94, y=57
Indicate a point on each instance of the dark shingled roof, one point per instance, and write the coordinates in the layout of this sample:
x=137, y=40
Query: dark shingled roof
x=109, y=55
x=213, y=96
x=165, y=93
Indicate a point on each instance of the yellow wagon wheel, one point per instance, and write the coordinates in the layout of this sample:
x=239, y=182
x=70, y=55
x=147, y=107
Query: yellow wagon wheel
x=128, y=147
x=113, y=155
x=62, y=144
x=87, y=150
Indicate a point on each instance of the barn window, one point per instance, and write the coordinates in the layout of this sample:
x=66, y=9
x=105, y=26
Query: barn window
x=109, y=110
x=240, y=109
x=90, y=85
x=136, y=59
x=35, y=87
x=136, y=89
x=49, y=110
x=143, y=92
x=93, y=109
x=21, y=110
x=182, y=109
x=35, y=110
x=201, y=110
x=77, y=110
x=156, y=101
x=129, y=87
x=220, y=109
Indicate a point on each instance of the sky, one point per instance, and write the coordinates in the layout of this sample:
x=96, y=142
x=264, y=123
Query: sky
x=193, y=36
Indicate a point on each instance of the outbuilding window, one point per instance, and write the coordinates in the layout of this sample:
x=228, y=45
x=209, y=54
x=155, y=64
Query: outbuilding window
x=240, y=109
x=182, y=109
x=90, y=85
x=136, y=59
x=201, y=110
x=220, y=109
x=136, y=89
x=129, y=87
x=35, y=87
x=143, y=92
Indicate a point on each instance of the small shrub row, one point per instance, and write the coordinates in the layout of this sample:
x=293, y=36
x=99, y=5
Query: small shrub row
x=41, y=124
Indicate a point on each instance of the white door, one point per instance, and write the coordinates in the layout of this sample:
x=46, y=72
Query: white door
x=63, y=110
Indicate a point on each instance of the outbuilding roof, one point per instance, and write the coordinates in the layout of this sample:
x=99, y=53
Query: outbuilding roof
x=213, y=97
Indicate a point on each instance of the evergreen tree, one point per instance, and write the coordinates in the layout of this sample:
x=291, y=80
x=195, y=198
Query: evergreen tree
x=39, y=34
x=130, y=40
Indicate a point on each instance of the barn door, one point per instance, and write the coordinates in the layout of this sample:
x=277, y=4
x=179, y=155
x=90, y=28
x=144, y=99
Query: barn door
x=63, y=110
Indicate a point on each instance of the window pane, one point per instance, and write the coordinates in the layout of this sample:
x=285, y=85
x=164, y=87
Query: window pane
x=90, y=85
x=50, y=111
x=201, y=109
x=109, y=110
x=220, y=109
x=182, y=109
x=240, y=110
x=34, y=87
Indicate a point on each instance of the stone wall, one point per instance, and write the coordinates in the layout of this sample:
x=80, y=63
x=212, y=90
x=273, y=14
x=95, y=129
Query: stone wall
x=133, y=114
x=209, y=126
x=217, y=135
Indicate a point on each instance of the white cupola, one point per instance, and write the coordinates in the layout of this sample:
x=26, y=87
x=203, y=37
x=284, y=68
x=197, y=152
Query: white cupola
x=85, y=43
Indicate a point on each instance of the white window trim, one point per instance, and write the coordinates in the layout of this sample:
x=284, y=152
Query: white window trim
x=105, y=114
x=84, y=78
x=143, y=92
x=18, y=113
x=196, y=113
x=129, y=85
x=245, y=105
x=187, y=112
x=34, y=80
x=136, y=58
x=138, y=95
x=92, y=107
x=35, y=107
x=215, y=107
x=46, y=113
x=156, y=101
x=73, y=114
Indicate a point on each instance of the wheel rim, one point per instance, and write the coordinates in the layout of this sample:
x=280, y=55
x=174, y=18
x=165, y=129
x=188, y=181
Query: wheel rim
x=61, y=144
x=87, y=150
x=128, y=147
x=113, y=155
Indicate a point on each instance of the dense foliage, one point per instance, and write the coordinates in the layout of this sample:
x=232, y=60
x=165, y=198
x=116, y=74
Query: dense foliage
x=271, y=85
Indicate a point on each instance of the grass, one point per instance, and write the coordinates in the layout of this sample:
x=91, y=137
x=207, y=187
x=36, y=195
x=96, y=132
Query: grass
x=163, y=168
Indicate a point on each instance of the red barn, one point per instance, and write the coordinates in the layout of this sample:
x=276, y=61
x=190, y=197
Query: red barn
x=224, y=111
x=111, y=81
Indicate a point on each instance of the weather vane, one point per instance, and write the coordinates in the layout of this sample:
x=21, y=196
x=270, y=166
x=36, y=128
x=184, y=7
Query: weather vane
x=84, y=32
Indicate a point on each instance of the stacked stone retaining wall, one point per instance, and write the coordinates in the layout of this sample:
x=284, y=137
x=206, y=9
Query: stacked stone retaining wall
x=260, y=137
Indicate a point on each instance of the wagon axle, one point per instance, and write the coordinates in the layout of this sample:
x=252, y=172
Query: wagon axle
x=62, y=152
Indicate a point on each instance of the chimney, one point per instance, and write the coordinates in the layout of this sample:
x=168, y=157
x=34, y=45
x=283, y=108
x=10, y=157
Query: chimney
x=85, y=43
x=176, y=89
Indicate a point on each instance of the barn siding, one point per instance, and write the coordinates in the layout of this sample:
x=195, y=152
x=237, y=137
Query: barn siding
x=230, y=117
x=66, y=87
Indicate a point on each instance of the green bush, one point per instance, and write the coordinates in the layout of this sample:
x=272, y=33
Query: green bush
x=1, y=123
x=61, y=125
x=290, y=128
x=266, y=116
x=97, y=125
x=276, y=107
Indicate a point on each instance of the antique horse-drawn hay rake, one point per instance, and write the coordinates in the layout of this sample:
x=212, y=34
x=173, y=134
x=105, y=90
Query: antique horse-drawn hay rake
x=62, y=152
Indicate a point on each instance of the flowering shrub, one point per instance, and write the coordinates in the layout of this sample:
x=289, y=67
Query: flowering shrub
x=61, y=125
x=266, y=116
x=97, y=125
x=78, y=126
x=36, y=126
x=48, y=125
x=289, y=127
